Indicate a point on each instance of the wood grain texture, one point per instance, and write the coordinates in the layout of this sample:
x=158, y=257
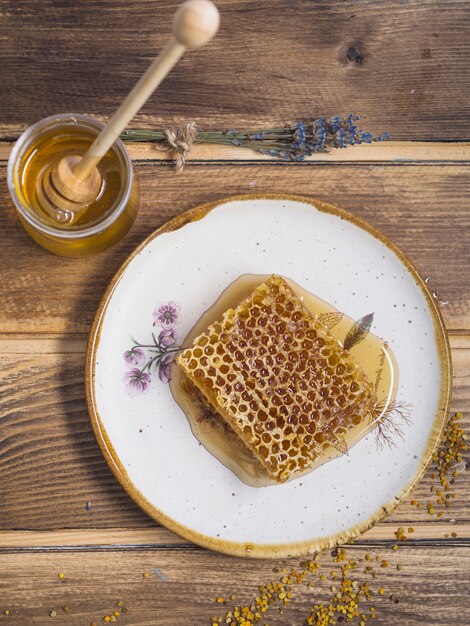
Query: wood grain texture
x=51, y=465
x=95, y=582
x=424, y=210
x=157, y=537
x=402, y=64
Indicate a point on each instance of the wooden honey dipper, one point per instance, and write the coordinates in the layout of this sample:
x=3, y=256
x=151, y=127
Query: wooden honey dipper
x=75, y=181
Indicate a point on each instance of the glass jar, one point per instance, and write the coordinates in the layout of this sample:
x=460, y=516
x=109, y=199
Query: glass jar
x=97, y=230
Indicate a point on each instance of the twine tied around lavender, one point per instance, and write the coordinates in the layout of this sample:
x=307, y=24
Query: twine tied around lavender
x=179, y=140
x=292, y=142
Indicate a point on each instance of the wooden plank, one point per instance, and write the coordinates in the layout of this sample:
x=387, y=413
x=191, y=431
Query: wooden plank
x=424, y=210
x=159, y=537
x=430, y=588
x=402, y=64
x=110, y=538
x=42, y=344
x=51, y=465
x=389, y=152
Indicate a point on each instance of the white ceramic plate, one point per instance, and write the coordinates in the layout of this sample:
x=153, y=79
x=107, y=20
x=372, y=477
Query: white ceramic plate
x=147, y=439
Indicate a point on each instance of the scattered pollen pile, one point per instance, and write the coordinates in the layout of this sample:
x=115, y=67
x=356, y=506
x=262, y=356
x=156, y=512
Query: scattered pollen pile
x=347, y=589
x=447, y=462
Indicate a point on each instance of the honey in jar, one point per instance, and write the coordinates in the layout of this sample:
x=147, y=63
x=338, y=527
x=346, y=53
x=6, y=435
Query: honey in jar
x=105, y=220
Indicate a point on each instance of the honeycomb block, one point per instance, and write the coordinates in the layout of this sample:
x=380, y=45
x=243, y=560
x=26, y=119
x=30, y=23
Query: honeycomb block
x=279, y=380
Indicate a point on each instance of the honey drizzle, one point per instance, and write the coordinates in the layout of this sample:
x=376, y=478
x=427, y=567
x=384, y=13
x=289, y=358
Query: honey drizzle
x=372, y=354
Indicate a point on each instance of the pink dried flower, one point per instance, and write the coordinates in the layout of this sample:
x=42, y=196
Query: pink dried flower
x=136, y=381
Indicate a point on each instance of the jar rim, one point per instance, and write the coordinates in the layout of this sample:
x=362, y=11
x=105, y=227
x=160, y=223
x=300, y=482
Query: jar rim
x=36, y=130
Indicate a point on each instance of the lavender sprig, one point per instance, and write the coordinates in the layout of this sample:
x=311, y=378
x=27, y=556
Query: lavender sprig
x=292, y=142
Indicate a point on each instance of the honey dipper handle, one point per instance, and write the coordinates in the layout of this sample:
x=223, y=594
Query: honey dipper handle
x=194, y=24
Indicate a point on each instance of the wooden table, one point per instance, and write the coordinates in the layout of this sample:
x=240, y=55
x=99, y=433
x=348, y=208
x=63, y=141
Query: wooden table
x=403, y=64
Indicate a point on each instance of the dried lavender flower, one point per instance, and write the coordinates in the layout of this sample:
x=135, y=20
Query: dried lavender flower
x=292, y=142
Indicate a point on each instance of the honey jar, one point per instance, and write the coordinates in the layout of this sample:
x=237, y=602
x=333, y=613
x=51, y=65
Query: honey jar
x=105, y=220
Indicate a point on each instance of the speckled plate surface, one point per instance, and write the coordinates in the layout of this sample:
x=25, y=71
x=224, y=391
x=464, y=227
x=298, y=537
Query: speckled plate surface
x=161, y=291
